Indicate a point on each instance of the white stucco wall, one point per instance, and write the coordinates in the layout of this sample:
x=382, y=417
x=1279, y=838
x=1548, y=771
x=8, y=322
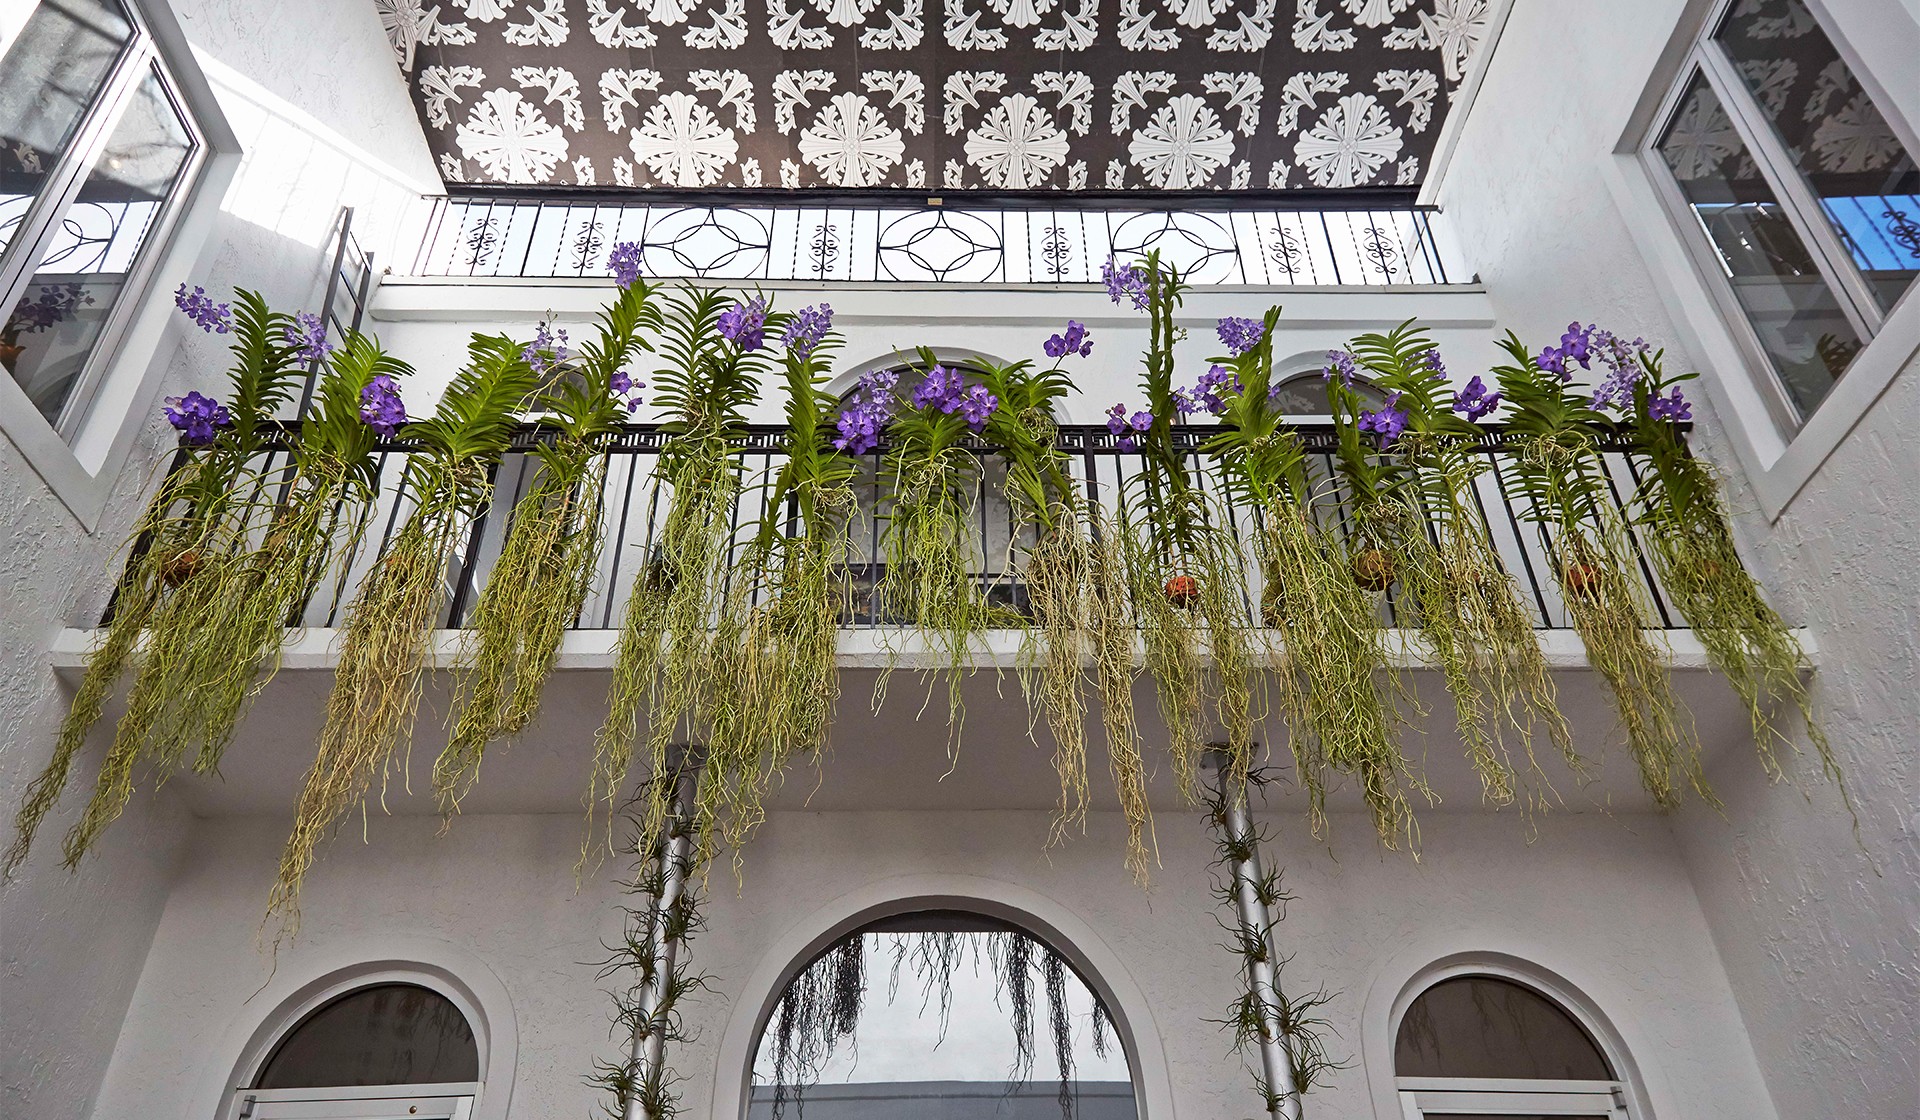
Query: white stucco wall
x=1630, y=937
x=1757, y=964
x=312, y=93
x=1820, y=934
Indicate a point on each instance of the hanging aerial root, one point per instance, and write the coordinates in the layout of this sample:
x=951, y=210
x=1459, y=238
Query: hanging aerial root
x=1496, y=671
x=142, y=588
x=1602, y=603
x=157, y=724
x=536, y=590
x=1170, y=635
x=1333, y=647
x=1056, y=581
x=237, y=648
x=663, y=656
x=376, y=690
x=1744, y=638
x=930, y=583
x=1115, y=668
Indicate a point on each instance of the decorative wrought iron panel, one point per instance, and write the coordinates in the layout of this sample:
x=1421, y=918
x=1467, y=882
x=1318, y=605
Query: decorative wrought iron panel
x=536, y=238
x=996, y=95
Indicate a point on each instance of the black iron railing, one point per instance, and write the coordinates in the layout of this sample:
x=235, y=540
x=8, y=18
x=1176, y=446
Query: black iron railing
x=500, y=236
x=635, y=506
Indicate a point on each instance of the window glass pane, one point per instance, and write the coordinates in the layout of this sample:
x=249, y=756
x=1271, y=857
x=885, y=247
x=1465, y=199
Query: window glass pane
x=1478, y=1026
x=388, y=1034
x=940, y=1016
x=49, y=77
x=1305, y=394
x=1512, y=1116
x=1863, y=176
x=1794, y=312
x=52, y=331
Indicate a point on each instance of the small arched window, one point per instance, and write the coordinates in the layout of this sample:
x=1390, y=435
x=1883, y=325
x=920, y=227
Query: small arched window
x=990, y=513
x=1473, y=1046
x=940, y=1014
x=1304, y=395
x=388, y=1049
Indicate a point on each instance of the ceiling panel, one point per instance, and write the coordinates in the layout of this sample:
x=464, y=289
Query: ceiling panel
x=958, y=95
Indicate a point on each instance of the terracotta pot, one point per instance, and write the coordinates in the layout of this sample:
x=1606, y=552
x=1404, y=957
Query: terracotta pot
x=1183, y=591
x=1373, y=569
x=1582, y=580
x=10, y=354
x=180, y=568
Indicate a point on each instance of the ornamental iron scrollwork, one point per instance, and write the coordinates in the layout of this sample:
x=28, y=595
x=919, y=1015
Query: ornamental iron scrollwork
x=940, y=245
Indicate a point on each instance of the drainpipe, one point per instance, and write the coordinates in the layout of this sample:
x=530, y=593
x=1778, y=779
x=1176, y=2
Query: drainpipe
x=1256, y=925
x=648, y=1057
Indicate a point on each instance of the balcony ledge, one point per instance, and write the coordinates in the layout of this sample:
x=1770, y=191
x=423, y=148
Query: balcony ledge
x=317, y=648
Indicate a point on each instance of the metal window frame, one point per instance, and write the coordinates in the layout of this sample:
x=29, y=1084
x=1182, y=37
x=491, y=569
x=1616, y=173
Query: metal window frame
x=1708, y=60
x=1434, y=1098
x=140, y=59
x=445, y=1101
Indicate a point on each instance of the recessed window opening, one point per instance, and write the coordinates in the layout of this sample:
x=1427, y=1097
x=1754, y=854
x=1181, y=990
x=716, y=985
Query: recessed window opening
x=941, y=1014
x=1479, y=1047
x=1303, y=395
x=386, y=1049
x=97, y=153
x=874, y=488
x=1801, y=193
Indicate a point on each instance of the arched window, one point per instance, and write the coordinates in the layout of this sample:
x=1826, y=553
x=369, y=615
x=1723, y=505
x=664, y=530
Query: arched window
x=1304, y=395
x=1473, y=1047
x=872, y=485
x=941, y=1014
x=388, y=1049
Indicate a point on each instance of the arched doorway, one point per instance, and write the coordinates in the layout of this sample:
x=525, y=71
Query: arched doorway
x=382, y=1050
x=940, y=1013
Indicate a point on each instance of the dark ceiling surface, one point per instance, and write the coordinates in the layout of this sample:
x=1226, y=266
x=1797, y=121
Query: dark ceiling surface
x=1003, y=96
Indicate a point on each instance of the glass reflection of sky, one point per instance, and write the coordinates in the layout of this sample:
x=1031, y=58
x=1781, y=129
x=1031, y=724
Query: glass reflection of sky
x=1883, y=231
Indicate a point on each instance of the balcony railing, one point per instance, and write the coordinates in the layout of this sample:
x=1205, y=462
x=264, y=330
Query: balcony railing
x=542, y=238
x=634, y=508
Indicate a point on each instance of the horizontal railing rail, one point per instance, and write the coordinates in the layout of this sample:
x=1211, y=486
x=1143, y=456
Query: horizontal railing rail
x=497, y=236
x=635, y=504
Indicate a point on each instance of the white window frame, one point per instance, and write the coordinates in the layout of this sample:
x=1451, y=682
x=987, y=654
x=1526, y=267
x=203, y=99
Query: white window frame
x=79, y=454
x=453, y=1101
x=438, y=1101
x=1433, y=1098
x=1780, y=451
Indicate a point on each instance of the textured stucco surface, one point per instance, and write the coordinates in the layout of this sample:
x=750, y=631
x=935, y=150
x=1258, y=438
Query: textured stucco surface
x=498, y=887
x=1820, y=934
x=72, y=947
x=1758, y=963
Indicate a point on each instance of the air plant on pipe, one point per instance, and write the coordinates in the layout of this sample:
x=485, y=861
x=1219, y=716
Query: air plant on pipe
x=389, y=626
x=539, y=583
x=1055, y=572
x=1557, y=465
x=930, y=581
x=1418, y=505
x=786, y=597
x=1691, y=539
x=677, y=657
x=1183, y=564
x=1332, y=653
x=190, y=539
